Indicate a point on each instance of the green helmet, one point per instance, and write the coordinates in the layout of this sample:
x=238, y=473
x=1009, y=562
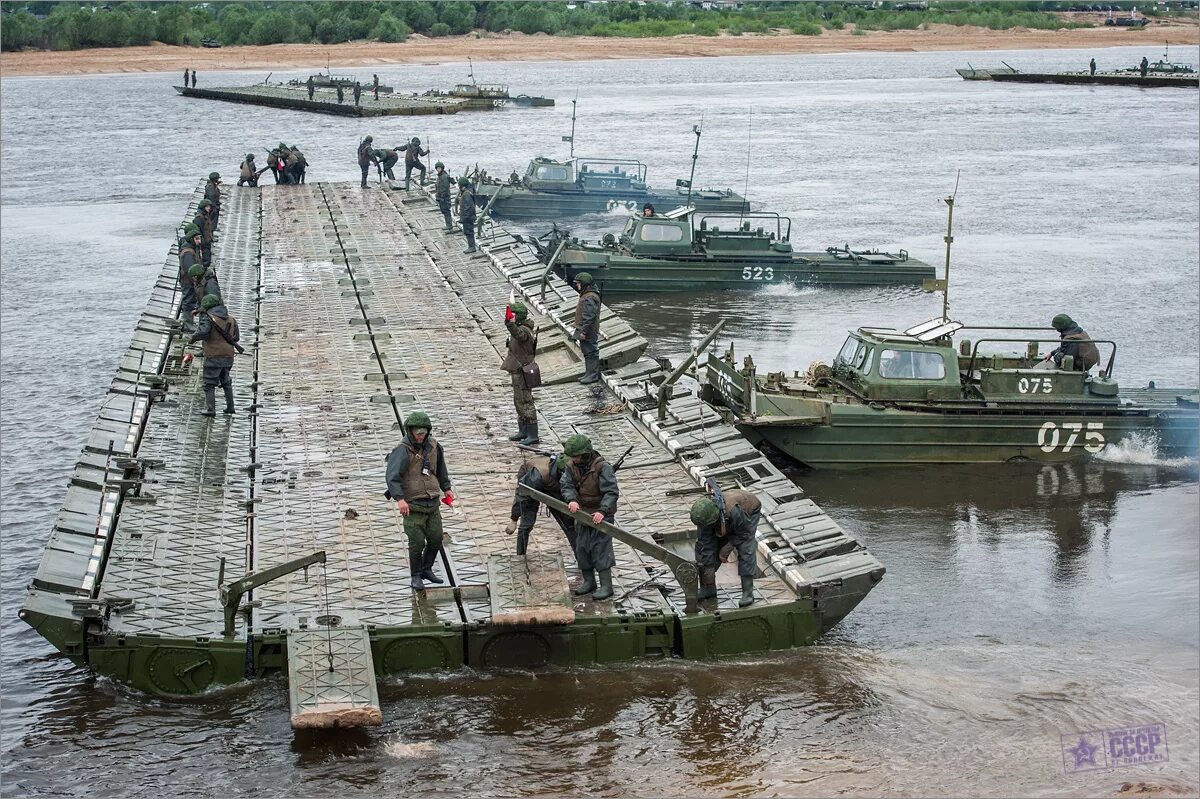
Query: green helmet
x=205, y=204
x=190, y=230
x=520, y=311
x=1061, y=322
x=415, y=140
x=283, y=146
x=365, y=138
x=418, y=420
x=197, y=270
x=462, y=181
x=249, y=156
x=705, y=512
x=210, y=301
x=214, y=175
x=577, y=444
x=439, y=165
x=584, y=279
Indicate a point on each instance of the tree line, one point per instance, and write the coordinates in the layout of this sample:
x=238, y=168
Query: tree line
x=72, y=26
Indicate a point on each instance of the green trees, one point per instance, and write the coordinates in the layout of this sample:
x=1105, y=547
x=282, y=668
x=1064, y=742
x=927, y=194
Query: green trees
x=459, y=18
x=390, y=29
x=19, y=30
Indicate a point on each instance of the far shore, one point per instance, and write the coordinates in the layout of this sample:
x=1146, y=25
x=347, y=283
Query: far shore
x=540, y=47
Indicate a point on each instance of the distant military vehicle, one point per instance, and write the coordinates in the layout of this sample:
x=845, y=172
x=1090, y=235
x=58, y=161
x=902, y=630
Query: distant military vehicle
x=670, y=252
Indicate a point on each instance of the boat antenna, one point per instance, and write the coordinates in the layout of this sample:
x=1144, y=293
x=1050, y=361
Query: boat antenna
x=571, y=138
x=471, y=70
x=697, y=129
x=746, y=190
x=949, y=240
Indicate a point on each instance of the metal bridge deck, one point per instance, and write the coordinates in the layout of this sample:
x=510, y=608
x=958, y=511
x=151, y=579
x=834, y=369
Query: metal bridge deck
x=355, y=309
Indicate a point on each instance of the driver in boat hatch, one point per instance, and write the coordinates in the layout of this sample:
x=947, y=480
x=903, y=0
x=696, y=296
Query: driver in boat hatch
x=1075, y=342
x=647, y=210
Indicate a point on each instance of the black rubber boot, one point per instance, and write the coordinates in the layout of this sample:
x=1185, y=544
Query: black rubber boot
x=747, y=593
x=606, y=590
x=592, y=371
x=229, y=411
x=414, y=569
x=589, y=584
x=522, y=541
x=210, y=401
x=427, y=571
x=520, y=434
x=708, y=584
x=531, y=434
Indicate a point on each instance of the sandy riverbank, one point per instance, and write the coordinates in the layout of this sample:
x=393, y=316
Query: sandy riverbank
x=539, y=47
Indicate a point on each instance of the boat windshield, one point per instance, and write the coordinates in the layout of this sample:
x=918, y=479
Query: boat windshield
x=908, y=365
x=550, y=172
x=853, y=353
x=652, y=232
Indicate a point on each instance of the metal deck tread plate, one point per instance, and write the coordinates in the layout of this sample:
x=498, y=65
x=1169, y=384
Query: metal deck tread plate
x=331, y=678
x=529, y=589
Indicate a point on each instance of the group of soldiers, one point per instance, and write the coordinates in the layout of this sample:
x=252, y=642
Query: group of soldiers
x=287, y=165
x=356, y=89
x=215, y=327
x=384, y=159
x=580, y=478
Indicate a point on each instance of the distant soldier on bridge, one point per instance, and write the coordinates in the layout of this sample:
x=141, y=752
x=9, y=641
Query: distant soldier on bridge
x=212, y=193
x=442, y=193
x=365, y=158
x=522, y=349
x=466, y=212
x=587, y=326
x=309, y=83
x=219, y=332
x=357, y=93
x=412, y=160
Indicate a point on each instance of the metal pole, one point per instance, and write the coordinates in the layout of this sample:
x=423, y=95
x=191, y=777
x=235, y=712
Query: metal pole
x=679, y=370
x=695, y=155
x=550, y=265
x=949, y=239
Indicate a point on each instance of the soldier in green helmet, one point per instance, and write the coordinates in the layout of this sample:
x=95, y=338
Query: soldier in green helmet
x=587, y=326
x=248, y=172
x=1075, y=342
x=365, y=157
x=412, y=160
x=541, y=472
x=522, y=347
x=727, y=517
x=220, y=334
x=416, y=477
x=204, y=221
x=190, y=254
x=204, y=281
x=212, y=193
x=466, y=212
x=387, y=159
x=589, y=484
x=442, y=193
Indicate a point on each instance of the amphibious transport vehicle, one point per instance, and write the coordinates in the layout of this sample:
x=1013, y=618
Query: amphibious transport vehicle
x=675, y=252
x=912, y=397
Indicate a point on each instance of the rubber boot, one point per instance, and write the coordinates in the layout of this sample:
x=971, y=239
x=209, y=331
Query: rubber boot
x=531, y=434
x=427, y=571
x=414, y=570
x=210, y=401
x=747, y=593
x=589, y=584
x=522, y=541
x=229, y=411
x=606, y=590
x=520, y=434
x=592, y=371
x=708, y=584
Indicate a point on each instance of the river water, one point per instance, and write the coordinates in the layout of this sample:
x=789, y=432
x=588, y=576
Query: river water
x=1021, y=604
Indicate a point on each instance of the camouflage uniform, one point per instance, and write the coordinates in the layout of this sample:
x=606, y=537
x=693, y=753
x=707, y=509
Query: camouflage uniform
x=522, y=347
x=412, y=160
x=593, y=484
x=587, y=329
x=442, y=194
x=417, y=474
x=218, y=354
x=540, y=473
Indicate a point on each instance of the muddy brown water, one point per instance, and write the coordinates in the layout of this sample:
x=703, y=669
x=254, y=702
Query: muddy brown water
x=1022, y=603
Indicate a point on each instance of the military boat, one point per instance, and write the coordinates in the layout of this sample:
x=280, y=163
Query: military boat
x=579, y=185
x=911, y=396
x=322, y=80
x=672, y=252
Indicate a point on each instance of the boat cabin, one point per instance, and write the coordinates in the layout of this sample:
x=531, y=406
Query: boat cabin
x=587, y=174
x=921, y=363
x=675, y=233
x=486, y=91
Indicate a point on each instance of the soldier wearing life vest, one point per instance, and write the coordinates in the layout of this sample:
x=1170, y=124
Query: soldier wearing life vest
x=541, y=473
x=366, y=157
x=416, y=479
x=204, y=221
x=730, y=518
x=212, y=193
x=189, y=255
x=412, y=160
x=1075, y=342
x=589, y=484
x=522, y=347
x=587, y=326
x=219, y=332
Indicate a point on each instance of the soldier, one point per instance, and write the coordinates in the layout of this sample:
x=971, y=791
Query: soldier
x=219, y=332
x=204, y=281
x=193, y=78
x=387, y=159
x=189, y=256
x=466, y=212
x=357, y=93
x=1145, y=66
x=522, y=347
x=365, y=158
x=375, y=85
x=587, y=326
x=294, y=166
x=416, y=477
x=1075, y=342
x=212, y=193
x=248, y=176
x=412, y=160
x=442, y=193
x=735, y=524
x=540, y=472
x=1092, y=66
x=340, y=94
x=309, y=83
x=590, y=484
x=185, y=79
x=648, y=210
x=203, y=220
